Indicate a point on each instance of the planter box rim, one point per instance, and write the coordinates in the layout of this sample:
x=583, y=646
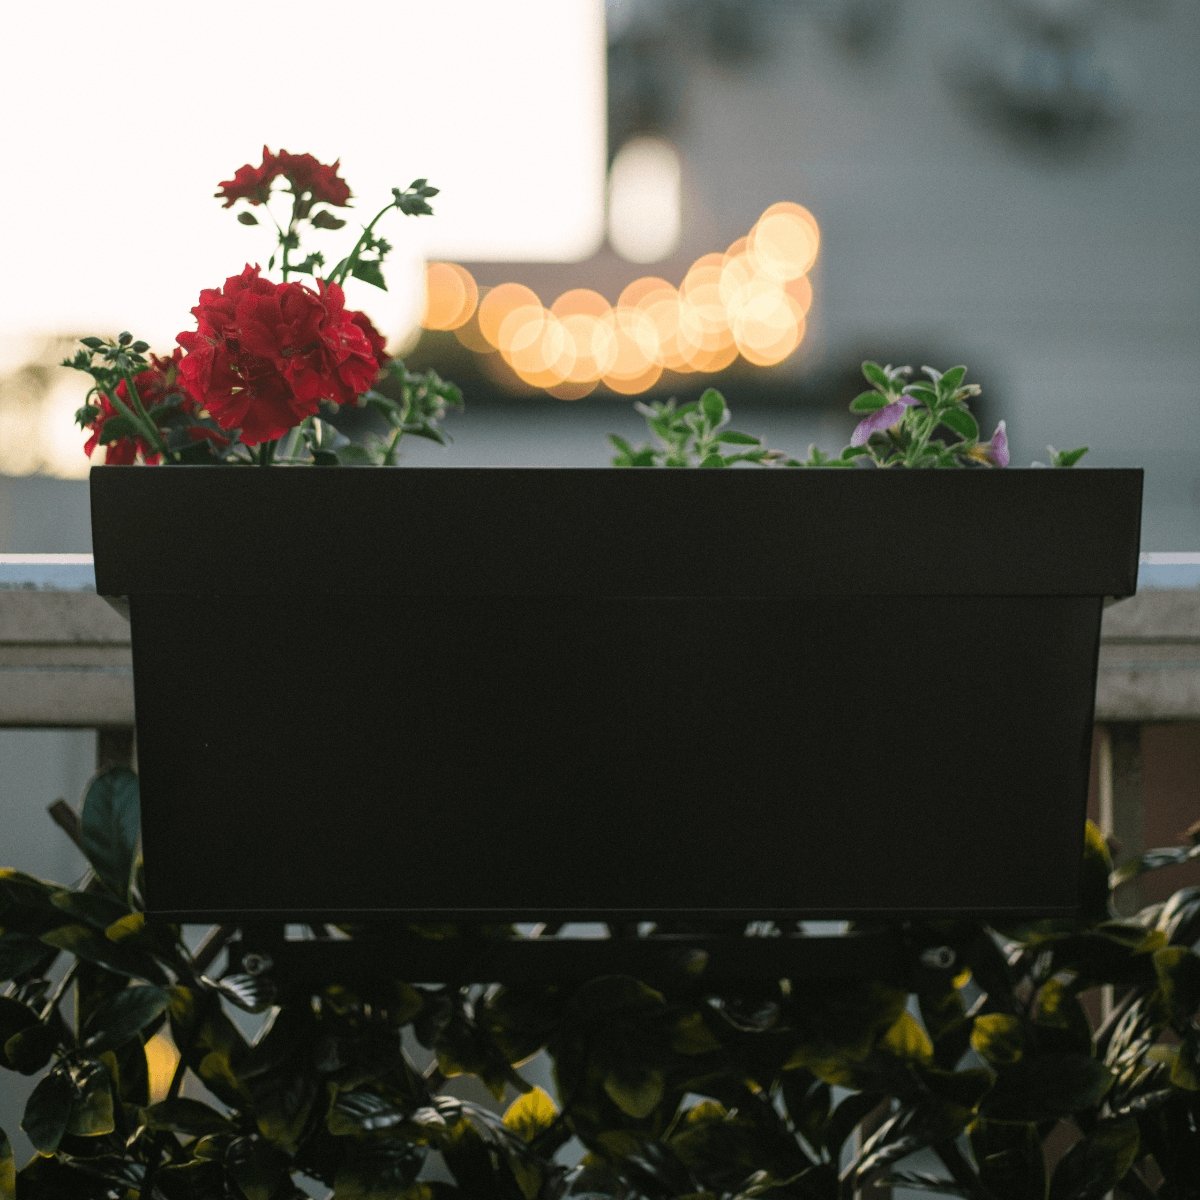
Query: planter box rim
x=615, y=531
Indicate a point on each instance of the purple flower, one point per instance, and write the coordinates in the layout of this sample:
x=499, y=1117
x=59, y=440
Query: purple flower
x=880, y=419
x=998, y=450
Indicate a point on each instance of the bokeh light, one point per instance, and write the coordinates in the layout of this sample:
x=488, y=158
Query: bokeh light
x=450, y=296
x=750, y=302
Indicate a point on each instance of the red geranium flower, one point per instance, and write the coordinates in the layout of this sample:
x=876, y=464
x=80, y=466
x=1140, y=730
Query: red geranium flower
x=306, y=175
x=159, y=381
x=265, y=354
x=374, y=337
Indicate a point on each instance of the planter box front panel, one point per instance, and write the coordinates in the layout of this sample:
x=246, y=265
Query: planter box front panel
x=530, y=757
x=540, y=694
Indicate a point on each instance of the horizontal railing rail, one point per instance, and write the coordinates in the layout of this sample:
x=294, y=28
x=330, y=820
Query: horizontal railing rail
x=65, y=662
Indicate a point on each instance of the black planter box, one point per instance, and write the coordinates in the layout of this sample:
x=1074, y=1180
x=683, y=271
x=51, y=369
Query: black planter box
x=506, y=694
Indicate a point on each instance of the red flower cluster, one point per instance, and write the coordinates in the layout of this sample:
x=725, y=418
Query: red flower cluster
x=302, y=171
x=154, y=385
x=265, y=354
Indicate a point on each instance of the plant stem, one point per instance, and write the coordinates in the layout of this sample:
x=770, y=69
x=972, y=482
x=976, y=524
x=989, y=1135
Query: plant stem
x=346, y=266
x=137, y=414
x=60, y=991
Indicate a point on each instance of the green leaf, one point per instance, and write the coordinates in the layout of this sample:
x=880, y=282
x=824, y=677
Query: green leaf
x=92, y=1111
x=1009, y=1154
x=109, y=827
x=323, y=219
x=1048, y=1086
x=356, y=1113
x=962, y=422
x=247, y=218
x=123, y=1017
x=1097, y=1163
x=182, y=1115
x=92, y=908
x=636, y=1097
x=8, y=1169
x=874, y=373
x=868, y=402
x=711, y=460
x=998, y=1038
x=256, y=1168
x=48, y=1110
x=1094, y=881
x=952, y=379
x=31, y=1048
x=907, y=1039
x=93, y=947
x=117, y=427
x=531, y=1114
x=1066, y=458
x=367, y=269
x=15, y=1017
x=922, y=392
x=712, y=405
x=731, y=437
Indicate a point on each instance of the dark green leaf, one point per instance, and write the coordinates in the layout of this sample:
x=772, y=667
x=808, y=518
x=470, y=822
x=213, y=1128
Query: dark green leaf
x=383, y=1171
x=1009, y=1155
x=922, y=1181
x=922, y=392
x=875, y=374
x=962, y=422
x=92, y=1110
x=185, y=1116
x=14, y=1017
x=868, y=402
x=30, y=1049
x=109, y=827
x=117, y=427
x=367, y=269
x=123, y=1017
x=247, y=218
x=731, y=437
x=712, y=405
x=92, y=908
x=48, y=1111
x=8, y=1169
x=257, y=1168
x=1095, y=1165
x=356, y=1113
x=93, y=947
x=952, y=379
x=323, y=219
x=1048, y=1086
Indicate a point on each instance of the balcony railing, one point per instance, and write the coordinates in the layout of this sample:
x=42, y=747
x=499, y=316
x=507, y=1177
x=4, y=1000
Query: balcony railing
x=65, y=663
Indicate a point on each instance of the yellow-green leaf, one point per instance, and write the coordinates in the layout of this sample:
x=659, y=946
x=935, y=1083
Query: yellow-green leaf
x=907, y=1039
x=8, y=1169
x=635, y=1097
x=692, y=1035
x=127, y=927
x=531, y=1114
x=998, y=1038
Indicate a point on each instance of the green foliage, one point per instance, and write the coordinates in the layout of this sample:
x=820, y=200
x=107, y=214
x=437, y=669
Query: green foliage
x=798, y=1089
x=926, y=423
x=691, y=435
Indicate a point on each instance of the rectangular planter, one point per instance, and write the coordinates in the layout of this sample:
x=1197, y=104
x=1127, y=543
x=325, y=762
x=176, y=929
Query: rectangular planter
x=505, y=694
